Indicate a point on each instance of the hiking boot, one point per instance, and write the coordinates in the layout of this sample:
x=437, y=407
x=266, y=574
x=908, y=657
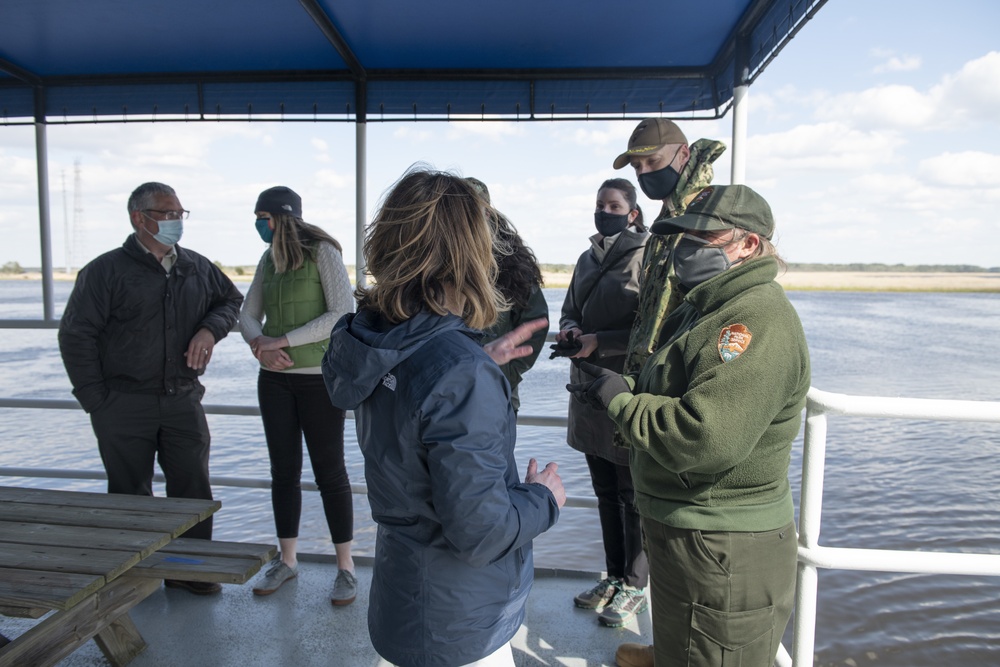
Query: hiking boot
x=599, y=595
x=196, y=587
x=634, y=655
x=275, y=576
x=627, y=603
x=345, y=588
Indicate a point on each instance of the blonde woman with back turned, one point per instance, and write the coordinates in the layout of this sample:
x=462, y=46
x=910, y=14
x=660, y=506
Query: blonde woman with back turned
x=453, y=563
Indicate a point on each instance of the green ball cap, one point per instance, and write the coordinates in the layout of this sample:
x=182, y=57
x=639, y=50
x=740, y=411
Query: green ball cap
x=720, y=207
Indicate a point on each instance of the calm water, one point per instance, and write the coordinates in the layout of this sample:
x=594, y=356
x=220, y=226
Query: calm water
x=889, y=484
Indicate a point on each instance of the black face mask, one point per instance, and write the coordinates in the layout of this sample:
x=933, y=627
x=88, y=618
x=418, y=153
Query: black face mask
x=659, y=184
x=609, y=224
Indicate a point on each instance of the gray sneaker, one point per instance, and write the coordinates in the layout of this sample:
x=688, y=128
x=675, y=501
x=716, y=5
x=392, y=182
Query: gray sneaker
x=599, y=595
x=275, y=576
x=627, y=603
x=345, y=588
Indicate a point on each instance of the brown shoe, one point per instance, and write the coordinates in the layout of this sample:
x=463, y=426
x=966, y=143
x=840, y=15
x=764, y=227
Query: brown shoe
x=196, y=587
x=634, y=655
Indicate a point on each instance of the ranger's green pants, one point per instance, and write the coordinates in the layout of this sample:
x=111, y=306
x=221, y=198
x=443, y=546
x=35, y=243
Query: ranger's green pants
x=719, y=598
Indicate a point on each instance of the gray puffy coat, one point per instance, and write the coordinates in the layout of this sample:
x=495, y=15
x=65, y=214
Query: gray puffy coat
x=453, y=564
x=602, y=297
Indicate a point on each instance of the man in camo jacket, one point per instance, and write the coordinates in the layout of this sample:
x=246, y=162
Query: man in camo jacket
x=673, y=172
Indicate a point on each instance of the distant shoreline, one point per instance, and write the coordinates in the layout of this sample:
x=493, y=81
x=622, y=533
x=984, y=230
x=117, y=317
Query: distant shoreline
x=864, y=281
x=818, y=281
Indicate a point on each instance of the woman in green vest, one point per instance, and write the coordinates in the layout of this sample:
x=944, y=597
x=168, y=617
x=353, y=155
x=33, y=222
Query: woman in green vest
x=298, y=293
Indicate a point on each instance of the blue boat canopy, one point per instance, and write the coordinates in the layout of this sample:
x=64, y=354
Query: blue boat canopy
x=370, y=60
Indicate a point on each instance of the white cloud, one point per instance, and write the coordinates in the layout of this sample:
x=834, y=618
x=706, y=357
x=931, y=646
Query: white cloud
x=821, y=146
x=898, y=64
x=974, y=91
x=494, y=131
x=892, y=106
x=971, y=93
x=322, y=150
x=328, y=178
x=968, y=169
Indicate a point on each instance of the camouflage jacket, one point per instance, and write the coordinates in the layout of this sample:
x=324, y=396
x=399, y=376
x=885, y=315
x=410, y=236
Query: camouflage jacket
x=658, y=294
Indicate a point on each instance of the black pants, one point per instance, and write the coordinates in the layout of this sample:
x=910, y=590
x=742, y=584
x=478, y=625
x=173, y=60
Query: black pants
x=620, y=525
x=293, y=405
x=135, y=430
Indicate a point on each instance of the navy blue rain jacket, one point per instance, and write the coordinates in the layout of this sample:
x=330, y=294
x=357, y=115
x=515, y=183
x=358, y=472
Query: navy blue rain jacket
x=453, y=564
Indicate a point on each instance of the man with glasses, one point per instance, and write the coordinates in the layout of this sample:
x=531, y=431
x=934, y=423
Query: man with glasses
x=138, y=330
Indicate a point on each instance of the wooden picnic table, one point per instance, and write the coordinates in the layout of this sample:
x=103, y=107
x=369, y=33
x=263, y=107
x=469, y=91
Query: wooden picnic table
x=72, y=554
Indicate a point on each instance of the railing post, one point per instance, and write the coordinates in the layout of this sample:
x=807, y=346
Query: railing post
x=810, y=519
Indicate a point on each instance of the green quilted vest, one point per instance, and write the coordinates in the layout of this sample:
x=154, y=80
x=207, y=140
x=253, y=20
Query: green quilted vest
x=292, y=299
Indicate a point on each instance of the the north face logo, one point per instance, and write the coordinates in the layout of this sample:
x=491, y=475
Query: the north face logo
x=389, y=381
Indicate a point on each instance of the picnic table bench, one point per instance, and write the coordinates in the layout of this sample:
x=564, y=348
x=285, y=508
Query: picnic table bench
x=85, y=559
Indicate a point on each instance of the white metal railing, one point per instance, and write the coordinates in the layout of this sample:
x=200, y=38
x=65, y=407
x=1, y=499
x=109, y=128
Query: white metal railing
x=811, y=556
x=241, y=482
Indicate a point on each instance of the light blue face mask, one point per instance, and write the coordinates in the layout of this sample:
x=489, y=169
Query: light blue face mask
x=264, y=229
x=170, y=231
x=695, y=262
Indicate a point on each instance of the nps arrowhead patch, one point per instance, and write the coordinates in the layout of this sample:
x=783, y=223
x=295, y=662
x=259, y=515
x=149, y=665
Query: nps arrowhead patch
x=733, y=341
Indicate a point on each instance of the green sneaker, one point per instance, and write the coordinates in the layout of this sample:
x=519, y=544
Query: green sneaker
x=599, y=595
x=627, y=603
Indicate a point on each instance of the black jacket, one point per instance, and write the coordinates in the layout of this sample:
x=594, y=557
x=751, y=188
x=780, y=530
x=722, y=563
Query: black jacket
x=128, y=323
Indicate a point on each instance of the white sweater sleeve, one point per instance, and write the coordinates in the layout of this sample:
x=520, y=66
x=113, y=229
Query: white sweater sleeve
x=252, y=312
x=338, y=293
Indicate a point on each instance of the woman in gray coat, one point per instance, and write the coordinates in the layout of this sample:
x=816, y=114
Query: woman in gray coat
x=596, y=319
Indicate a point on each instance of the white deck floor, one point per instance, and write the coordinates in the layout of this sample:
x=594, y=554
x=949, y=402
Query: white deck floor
x=297, y=626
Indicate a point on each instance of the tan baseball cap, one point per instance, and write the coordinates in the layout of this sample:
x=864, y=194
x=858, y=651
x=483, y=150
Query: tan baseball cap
x=650, y=135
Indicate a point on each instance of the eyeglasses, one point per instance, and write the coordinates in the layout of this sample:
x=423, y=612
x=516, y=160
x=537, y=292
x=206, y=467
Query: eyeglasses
x=169, y=215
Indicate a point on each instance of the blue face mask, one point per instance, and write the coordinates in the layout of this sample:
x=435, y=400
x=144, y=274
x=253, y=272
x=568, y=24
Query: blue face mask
x=170, y=231
x=264, y=229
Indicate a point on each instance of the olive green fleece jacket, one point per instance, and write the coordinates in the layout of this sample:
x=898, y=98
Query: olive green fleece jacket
x=711, y=439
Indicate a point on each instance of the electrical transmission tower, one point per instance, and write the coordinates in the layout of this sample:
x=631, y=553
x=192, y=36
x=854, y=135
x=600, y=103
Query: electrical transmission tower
x=68, y=240
x=77, y=207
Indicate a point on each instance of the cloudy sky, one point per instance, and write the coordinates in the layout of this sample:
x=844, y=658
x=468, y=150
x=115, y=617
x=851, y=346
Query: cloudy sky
x=887, y=150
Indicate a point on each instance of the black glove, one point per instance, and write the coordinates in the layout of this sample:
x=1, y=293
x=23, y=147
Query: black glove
x=598, y=393
x=566, y=348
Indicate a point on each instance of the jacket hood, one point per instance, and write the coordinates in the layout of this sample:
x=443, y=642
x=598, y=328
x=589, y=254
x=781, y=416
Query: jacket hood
x=696, y=175
x=364, y=348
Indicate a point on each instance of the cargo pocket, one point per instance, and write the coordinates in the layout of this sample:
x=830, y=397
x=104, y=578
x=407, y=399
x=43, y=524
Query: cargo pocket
x=731, y=639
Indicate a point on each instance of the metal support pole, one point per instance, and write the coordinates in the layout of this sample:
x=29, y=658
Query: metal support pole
x=361, y=180
x=741, y=88
x=810, y=517
x=360, y=169
x=739, y=155
x=44, y=223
